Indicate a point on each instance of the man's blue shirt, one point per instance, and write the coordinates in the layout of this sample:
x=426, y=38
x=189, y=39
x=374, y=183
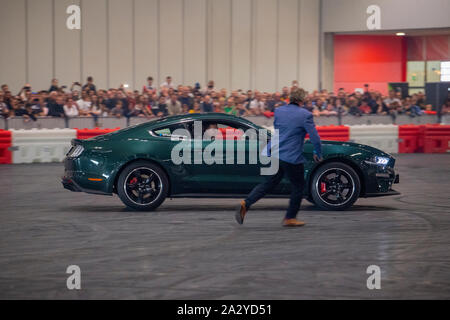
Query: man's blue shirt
x=293, y=123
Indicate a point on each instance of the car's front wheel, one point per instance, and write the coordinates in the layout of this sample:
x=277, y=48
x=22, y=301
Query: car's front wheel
x=142, y=186
x=335, y=186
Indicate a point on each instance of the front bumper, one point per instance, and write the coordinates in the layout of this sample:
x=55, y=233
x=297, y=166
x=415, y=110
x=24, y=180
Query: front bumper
x=380, y=179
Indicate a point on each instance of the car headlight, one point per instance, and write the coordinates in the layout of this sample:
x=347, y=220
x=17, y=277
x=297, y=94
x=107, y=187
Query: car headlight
x=75, y=151
x=382, y=161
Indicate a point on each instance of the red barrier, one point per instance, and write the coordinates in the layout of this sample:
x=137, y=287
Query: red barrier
x=229, y=134
x=409, y=136
x=336, y=133
x=5, y=145
x=436, y=138
x=90, y=133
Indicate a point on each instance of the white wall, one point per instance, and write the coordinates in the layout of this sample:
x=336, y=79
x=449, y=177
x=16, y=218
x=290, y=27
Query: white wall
x=247, y=44
x=351, y=15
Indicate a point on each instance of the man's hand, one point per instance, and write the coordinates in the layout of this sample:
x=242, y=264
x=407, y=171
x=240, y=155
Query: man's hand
x=316, y=158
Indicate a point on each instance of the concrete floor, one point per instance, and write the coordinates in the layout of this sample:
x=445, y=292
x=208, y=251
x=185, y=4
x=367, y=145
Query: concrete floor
x=192, y=248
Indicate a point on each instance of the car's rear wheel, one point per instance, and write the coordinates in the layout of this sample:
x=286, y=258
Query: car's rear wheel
x=335, y=186
x=142, y=186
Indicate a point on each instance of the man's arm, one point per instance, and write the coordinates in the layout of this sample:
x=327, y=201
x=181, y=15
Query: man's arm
x=313, y=135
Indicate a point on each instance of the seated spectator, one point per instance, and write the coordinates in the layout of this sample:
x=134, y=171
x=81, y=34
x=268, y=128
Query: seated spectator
x=38, y=106
x=257, y=106
x=196, y=108
x=230, y=108
x=391, y=99
x=159, y=108
x=70, y=109
x=207, y=104
x=111, y=100
x=275, y=102
x=4, y=110
x=285, y=94
x=219, y=105
x=84, y=104
x=364, y=107
x=353, y=108
x=174, y=106
x=185, y=98
x=308, y=105
x=445, y=109
x=412, y=109
x=118, y=111
x=330, y=110
x=56, y=107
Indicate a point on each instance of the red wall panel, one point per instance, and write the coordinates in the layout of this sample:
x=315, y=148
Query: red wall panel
x=372, y=59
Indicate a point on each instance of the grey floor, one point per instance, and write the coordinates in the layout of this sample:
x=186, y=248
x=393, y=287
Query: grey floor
x=192, y=248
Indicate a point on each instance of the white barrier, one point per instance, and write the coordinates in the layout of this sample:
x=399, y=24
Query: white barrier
x=46, y=145
x=381, y=136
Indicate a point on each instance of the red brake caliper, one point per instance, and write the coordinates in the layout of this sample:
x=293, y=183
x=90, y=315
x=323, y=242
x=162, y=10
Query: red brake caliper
x=323, y=187
x=133, y=181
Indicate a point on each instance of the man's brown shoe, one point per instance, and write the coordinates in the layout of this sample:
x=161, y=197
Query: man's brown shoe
x=292, y=223
x=240, y=213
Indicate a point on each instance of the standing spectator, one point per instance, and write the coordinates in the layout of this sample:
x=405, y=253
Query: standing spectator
x=5, y=88
x=90, y=86
x=209, y=88
x=54, y=85
x=168, y=83
x=148, y=88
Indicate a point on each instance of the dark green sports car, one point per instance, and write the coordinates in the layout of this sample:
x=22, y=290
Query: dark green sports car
x=178, y=156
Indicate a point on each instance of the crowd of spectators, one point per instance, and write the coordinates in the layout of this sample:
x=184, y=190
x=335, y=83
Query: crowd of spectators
x=168, y=99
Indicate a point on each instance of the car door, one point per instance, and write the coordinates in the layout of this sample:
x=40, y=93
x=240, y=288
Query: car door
x=240, y=167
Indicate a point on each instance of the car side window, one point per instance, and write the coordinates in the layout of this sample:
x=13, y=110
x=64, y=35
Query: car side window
x=168, y=131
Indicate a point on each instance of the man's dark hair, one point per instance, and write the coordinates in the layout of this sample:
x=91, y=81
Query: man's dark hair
x=150, y=78
x=297, y=96
x=90, y=79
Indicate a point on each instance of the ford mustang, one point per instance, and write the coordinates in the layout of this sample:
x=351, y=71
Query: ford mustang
x=137, y=163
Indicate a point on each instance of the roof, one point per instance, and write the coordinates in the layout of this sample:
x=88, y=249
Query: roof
x=199, y=116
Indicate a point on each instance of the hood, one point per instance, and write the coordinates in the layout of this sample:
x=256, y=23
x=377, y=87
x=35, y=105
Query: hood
x=357, y=145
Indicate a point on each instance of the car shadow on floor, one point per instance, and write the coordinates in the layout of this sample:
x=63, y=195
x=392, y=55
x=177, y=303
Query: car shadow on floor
x=170, y=208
